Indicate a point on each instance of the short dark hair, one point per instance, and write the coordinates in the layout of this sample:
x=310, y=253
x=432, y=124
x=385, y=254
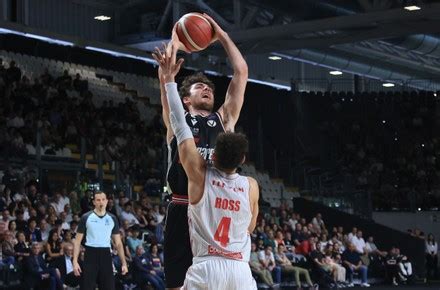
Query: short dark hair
x=97, y=192
x=192, y=79
x=230, y=148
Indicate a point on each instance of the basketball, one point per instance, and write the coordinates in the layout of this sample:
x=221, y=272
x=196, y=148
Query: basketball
x=194, y=31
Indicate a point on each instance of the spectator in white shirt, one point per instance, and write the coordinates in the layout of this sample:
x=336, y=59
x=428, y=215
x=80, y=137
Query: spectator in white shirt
x=352, y=234
x=267, y=260
x=431, y=250
x=58, y=203
x=293, y=220
x=128, y=215
x=318, y=222
x=359, y=242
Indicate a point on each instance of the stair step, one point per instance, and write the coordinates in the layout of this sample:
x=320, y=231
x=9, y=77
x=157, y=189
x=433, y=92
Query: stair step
x=76, y=156
x=138, y=188
x=109, y=177
x=72, y=147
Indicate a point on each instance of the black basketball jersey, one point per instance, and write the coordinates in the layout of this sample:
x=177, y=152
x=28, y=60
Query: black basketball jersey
x=205, y=131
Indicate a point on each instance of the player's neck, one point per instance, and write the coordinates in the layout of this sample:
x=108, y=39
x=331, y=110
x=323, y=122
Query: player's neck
x=199, y=112
x=226, y=171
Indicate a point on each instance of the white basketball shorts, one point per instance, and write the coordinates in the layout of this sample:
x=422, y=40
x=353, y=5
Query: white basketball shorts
x=219, y=274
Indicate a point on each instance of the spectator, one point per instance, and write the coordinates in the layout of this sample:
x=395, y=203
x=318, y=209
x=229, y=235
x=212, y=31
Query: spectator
x=405, y=265
x=267, y=260
x=359, y=242
x=143, y=271
x=65, y=266
x=287, y=268
x=32, y=232
x=12, y=227
x=127, y=214
x=8, y=251
x=44, y=229
x=156, y=260
x=353, y=263
x=352, y=234
x=318, y=222
x=22, y=249
x=392, y=267
x=133, y=240
x=53, y=247
x=258, y=269
x=58, y=203
x=431, y=250
x=372, y=249
x=39, y=272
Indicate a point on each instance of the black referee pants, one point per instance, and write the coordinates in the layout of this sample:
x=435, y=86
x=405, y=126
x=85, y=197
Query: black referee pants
x=97, y=269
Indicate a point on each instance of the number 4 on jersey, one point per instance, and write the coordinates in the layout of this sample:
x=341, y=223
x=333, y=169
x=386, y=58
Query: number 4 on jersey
x=222, y=233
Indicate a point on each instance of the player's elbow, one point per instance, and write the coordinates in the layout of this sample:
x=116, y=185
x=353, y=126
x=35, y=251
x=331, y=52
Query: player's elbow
x=242, y=70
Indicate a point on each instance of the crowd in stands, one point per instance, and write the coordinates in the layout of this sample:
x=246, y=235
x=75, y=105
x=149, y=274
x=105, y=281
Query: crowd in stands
x=286, y=247
x=37, y=231
x=44, y=104
x=385, y=143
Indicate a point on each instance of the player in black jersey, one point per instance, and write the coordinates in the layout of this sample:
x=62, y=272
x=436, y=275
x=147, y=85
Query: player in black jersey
x=197, y=93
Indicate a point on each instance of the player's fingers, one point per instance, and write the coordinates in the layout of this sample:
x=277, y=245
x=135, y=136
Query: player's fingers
x=173, y=54
x=179, y=64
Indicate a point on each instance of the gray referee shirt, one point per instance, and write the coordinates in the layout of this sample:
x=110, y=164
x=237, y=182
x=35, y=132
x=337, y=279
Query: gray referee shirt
x=98, y=230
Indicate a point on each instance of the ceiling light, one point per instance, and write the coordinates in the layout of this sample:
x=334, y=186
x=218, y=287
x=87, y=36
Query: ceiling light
x=388, y=85
x=412, y=8
x=102, y=17
x=335, y=72
x=274, y=57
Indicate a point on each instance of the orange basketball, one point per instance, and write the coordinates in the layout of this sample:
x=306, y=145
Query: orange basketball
x=194, y=31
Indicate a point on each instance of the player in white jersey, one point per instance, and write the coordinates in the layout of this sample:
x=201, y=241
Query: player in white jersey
x=223, y=205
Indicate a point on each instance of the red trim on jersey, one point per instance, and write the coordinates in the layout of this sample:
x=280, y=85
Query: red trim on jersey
x=180, y=199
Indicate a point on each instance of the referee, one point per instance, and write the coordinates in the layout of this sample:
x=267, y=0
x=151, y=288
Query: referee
x=98, y=227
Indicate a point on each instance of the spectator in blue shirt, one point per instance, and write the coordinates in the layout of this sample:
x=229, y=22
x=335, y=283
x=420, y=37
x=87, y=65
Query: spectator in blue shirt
x=351, y=259
x=143, y=270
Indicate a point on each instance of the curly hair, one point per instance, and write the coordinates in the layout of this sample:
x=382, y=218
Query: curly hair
x=230, y=149
x=188, y=81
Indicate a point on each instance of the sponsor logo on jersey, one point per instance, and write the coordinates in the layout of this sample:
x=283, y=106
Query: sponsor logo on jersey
x=231, y=255
x=211, y=123
x=224, y=185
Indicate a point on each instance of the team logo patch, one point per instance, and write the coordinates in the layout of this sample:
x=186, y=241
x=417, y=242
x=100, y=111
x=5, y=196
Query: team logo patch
x=193, y=121
x=211, y=123
x=107, y=222
x=195, y=131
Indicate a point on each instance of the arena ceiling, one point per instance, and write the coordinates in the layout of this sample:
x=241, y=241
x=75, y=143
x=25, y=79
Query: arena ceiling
x=376, y=38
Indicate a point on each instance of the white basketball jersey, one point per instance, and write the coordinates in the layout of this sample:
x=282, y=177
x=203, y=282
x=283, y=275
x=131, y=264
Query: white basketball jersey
x=219, y=222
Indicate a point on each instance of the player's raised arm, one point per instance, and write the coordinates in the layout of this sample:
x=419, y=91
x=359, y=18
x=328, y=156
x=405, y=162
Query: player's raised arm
x=190, y=158
x=230, y=110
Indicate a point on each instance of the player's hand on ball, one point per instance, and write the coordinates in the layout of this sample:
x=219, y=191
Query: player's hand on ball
x=218, y=31
x=176, y=41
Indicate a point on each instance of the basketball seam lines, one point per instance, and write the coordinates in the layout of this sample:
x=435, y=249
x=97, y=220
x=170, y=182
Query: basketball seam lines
x=188, y=37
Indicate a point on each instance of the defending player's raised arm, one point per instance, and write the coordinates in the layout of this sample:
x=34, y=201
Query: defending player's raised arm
x=230, y=110
x=191, y=160
x=157, y=54
x=254, y=195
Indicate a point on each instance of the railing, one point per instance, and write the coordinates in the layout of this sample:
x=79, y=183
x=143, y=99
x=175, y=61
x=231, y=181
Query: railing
x=363, y=85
